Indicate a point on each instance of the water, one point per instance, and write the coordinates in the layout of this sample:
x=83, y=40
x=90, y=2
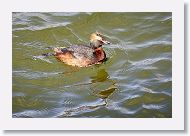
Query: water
x=135, y=81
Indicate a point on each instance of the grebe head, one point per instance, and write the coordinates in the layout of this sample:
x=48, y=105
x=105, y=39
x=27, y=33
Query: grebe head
x=97, y=40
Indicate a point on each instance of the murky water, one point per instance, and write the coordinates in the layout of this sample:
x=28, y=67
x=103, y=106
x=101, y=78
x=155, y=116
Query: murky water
x=135, y=81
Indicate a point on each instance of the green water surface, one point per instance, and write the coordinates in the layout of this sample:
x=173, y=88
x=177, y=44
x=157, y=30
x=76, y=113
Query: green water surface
x=134, y=82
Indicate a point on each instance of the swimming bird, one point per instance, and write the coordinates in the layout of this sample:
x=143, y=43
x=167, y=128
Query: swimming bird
x=83, y=55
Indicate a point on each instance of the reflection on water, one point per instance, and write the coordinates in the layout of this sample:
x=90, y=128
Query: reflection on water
x=134, y=82
x=101, y=76
x=109, y=86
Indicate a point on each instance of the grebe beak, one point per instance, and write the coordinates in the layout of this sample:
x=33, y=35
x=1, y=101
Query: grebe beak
x=105, y=42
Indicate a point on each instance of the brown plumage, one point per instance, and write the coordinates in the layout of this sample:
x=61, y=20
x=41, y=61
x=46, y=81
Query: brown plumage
x=83, y=55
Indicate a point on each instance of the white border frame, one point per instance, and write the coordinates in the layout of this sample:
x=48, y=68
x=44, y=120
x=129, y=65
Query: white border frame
x=174, y=123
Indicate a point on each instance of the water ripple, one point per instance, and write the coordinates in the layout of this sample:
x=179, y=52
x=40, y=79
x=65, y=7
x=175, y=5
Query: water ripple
x=34, y=75
x=153, y=106
x=135, y=80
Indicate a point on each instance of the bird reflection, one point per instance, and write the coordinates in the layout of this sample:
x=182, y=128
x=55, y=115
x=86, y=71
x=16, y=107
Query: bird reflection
x=101, y=76
x=107, y=92
x=101, y=86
